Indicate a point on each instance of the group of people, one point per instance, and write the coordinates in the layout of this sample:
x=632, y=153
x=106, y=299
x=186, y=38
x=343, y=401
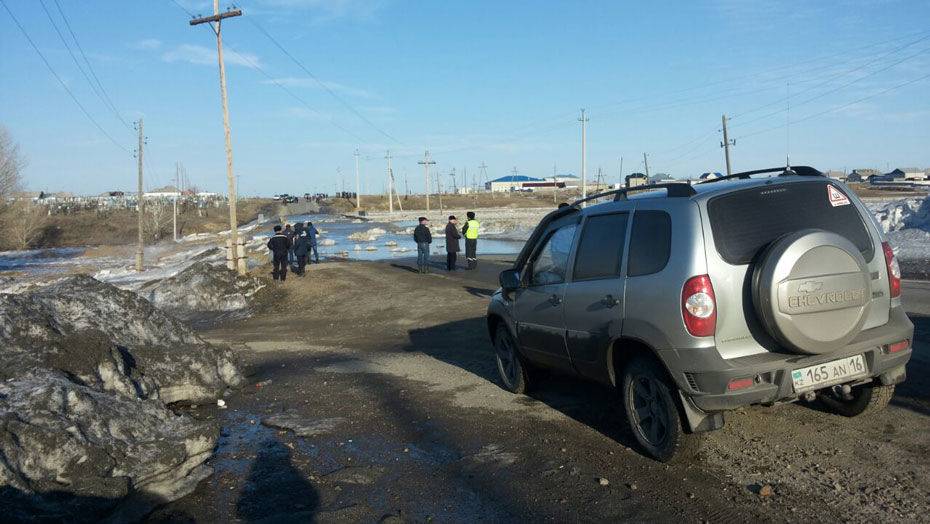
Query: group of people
x=423, y=237
x=292, y=246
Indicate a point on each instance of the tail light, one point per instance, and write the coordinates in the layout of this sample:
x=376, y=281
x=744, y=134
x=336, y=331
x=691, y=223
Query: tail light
x=897, y=346
x=894, y=270
x=740, y=383
x=699, y=306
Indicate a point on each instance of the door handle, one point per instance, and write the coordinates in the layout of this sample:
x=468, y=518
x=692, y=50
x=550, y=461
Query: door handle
x=555, y=300
x=609, y=301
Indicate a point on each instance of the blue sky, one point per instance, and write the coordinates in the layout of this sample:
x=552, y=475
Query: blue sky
x=494, y=82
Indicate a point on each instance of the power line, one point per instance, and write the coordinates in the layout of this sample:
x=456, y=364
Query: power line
x=838, y=88
x=60, y=81
x=90, y=68
x=255, y=65
x=323, y=84
x=838, y=75
x=303, y=102
x=838, y=108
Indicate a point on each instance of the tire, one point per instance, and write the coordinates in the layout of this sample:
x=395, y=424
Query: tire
x=866, y=399
x=512, y=369
x=651, y=406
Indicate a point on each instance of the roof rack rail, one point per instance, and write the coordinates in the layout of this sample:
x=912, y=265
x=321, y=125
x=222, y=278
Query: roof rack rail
x=782, y=171
x=675, y=190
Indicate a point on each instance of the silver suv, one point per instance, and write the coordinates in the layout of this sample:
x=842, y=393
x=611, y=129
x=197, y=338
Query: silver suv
x=692, y=300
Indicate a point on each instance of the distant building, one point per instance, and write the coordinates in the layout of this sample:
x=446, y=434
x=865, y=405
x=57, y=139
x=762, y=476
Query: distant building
x=834, y=174
x=636, y=179
x=854, y=178
x=658, y=178
x=162, y=192
x=865, y=173
x=909, y=173
x=511, y=183
x=569, y=180
x=710, y=175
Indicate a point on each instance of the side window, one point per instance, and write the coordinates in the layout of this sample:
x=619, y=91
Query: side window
x=650, y=243
x=551, y=261
x=600, y=249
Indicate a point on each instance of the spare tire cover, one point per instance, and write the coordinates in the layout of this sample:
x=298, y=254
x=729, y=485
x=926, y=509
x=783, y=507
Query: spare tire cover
x=811, y=290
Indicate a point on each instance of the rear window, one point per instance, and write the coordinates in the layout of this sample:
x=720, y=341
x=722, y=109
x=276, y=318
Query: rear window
x=745, y=221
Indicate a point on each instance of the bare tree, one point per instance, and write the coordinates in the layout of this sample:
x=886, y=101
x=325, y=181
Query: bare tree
x=23, y=223
x=11, y=164
x=157, y=217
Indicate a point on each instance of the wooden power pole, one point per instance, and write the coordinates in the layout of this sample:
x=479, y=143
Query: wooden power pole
x=426, y=162
x=177, y=191
x=140, y=206
x=726, y=144
x=358, y=188
x=646, y=166
x=216, y=22
x=387, y=157
x=584, y=158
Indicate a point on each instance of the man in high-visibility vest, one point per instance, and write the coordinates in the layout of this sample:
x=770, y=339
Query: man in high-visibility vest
x=470, y=230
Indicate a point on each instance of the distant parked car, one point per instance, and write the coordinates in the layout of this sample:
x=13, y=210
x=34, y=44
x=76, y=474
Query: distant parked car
x=694, y=300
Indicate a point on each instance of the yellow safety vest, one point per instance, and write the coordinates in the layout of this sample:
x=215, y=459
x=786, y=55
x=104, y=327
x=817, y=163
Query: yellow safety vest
x=472, y=232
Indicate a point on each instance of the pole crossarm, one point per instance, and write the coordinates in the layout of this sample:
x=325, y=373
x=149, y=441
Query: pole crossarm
x=217, y=17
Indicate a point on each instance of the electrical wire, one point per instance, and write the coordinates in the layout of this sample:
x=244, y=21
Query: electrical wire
x=60, y=81
x=321, y=83
x=838, y=88
x=90, y=68
x=837, y=108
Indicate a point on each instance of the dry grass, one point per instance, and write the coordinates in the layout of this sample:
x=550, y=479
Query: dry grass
x=119, y=227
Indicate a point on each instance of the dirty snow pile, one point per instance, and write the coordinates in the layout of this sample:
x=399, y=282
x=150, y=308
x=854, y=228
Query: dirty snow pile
x=86, y=373
x=202, y=291
x=907, y=224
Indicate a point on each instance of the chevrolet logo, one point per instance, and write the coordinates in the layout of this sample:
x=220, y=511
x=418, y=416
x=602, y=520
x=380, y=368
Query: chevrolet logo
x=810, y=286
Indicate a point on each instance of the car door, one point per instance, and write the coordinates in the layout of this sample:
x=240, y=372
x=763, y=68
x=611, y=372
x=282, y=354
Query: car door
x=594, y=300
x=538, y=306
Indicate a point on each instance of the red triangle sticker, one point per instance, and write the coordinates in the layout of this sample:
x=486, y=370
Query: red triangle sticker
x=836, y=197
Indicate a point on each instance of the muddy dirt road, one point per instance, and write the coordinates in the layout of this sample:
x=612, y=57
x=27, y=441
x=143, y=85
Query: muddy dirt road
x=372, y=394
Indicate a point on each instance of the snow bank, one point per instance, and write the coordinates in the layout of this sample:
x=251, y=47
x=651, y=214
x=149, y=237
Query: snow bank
x=908, y=213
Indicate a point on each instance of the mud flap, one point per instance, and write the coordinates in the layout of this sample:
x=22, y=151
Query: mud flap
x=893, y=376
x=699, y=421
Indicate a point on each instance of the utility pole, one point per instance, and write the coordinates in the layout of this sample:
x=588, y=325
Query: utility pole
x=555, y=184
x=621, y=169
x=426, y=162
x=455, y=186
x=140, y=206
x=584, y=160
x=216, y=23
x=439, y=192
x=484, y=173
x=358, y=187
x=390, y=183
x=646, y=165
x=177, y=190
x=396, y=194
x=726, y=144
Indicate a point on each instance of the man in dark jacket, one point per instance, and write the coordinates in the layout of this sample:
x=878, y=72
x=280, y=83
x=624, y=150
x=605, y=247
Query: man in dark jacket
x=452, y=243
x=280, y=246
x=289, y=233
x=423, y=238
x=311, y=242
x=301, y=244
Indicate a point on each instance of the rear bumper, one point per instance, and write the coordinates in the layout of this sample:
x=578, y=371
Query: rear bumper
x=707, y=387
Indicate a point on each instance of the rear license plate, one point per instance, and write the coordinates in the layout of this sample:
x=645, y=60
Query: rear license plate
x=828, y=373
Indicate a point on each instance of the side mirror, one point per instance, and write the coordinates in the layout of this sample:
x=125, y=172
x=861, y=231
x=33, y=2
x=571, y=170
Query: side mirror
x=510, y=279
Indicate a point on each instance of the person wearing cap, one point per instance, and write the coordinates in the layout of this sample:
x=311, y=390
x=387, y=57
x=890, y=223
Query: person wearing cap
x=423, y=238
x=452, y=243
x=470, y=230
x=280, y=246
